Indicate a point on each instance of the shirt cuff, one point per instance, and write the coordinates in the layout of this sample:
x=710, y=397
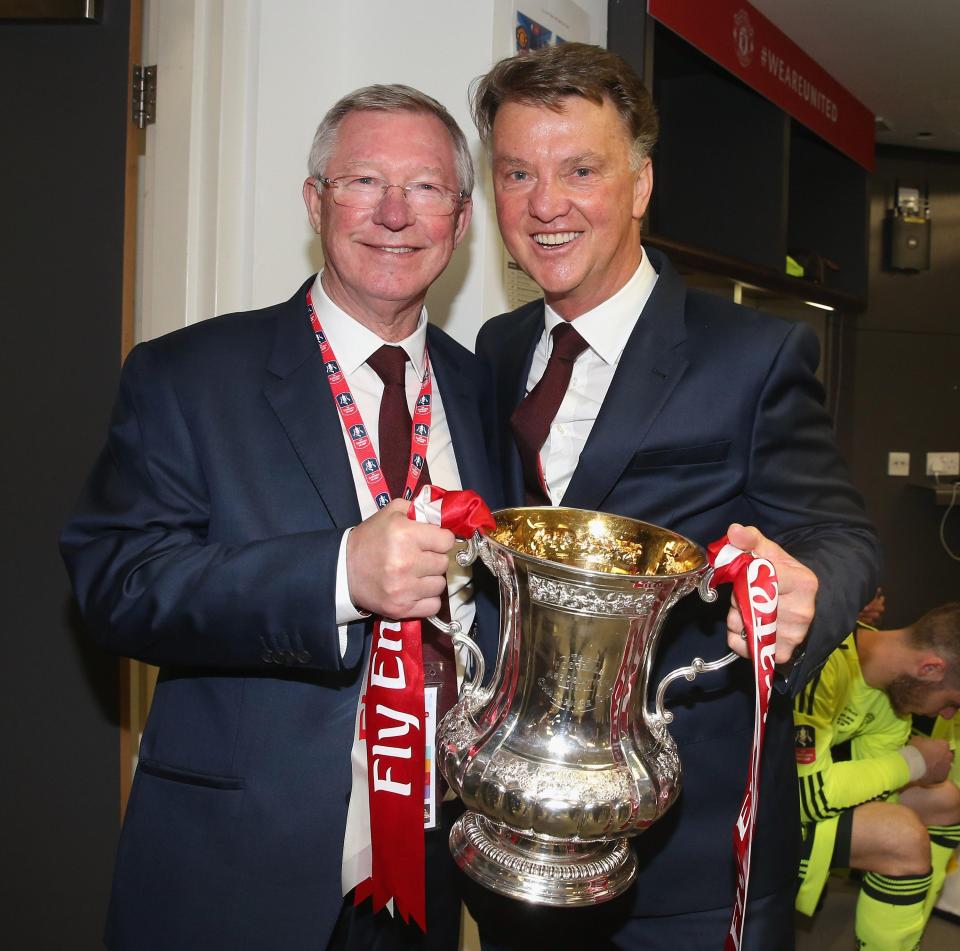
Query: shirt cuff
x=915, y=762
x=347, y=611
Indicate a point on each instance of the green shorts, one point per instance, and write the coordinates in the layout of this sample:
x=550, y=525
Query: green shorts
x=826, y=846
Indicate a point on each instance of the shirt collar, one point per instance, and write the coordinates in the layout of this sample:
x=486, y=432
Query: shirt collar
x=354, y=344
x=608, y=326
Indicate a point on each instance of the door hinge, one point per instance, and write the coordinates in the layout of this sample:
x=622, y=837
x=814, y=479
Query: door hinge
x=144, y=109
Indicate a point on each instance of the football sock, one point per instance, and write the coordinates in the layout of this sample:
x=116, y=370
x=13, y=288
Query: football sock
x=943, y=841
x=890, y=911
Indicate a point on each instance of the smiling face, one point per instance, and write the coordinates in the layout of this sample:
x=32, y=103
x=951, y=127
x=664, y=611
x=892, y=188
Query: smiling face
x=379, y=262
x=568, y=203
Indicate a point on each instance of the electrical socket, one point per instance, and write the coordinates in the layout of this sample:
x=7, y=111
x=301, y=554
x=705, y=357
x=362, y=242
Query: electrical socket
x=898, y=463
x=943, y=463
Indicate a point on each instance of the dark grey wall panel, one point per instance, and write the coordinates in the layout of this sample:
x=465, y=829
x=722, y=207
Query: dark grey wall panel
x=62, y=115
x=720, y=168
x=907, y=389
x=626, y=31
x=828, y=210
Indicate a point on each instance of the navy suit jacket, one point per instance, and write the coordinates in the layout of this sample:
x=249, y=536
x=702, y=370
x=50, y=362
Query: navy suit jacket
x=714, y=416
x=206, y=542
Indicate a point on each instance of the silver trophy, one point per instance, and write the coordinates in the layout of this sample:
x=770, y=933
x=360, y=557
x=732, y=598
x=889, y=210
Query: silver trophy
x=560, y=759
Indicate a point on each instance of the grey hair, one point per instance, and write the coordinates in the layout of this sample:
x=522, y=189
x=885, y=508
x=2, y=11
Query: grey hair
x=393, y=98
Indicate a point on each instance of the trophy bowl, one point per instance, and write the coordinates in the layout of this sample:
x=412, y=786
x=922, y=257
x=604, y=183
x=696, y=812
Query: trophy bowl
x=560, y=759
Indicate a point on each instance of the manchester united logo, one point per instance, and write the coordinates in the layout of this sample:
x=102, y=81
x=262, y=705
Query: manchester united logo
x=743, y=37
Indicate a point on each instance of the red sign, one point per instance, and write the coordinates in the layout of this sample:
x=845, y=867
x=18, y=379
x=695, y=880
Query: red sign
x=744, y=41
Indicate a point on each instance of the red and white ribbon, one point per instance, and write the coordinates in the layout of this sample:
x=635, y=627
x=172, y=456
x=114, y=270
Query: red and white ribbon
x=756, y=591
x=391, y=723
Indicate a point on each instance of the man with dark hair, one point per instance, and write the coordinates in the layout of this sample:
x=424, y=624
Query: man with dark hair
x=886, y=806
x=623, y=391
x=238, y=531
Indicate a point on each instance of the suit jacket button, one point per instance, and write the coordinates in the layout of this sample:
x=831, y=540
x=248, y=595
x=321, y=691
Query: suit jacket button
x=267, y=656
x=304, y=656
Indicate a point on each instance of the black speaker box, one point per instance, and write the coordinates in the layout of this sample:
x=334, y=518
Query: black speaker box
x=907, y=243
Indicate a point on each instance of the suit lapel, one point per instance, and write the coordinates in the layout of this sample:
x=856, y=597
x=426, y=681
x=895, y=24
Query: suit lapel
x=652, y=363
x=462, y=413
x=514, y=360
x=300, y=397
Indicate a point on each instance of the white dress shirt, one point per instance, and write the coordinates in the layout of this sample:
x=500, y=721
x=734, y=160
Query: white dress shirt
x=353, y=344
x=606, y=330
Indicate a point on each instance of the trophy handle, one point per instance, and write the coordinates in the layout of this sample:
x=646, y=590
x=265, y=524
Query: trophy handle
x=704, y=586
x=698, y=665
x=471, y=550
x=453, y=629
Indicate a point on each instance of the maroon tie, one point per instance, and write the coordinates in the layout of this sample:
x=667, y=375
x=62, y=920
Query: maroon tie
x=390, y=364
x=532, y=418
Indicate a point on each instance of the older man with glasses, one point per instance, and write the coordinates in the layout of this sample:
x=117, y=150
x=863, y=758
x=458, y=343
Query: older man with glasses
x=246, y=518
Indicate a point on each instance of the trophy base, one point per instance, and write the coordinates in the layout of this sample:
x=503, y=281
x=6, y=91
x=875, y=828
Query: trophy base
x=553, y=872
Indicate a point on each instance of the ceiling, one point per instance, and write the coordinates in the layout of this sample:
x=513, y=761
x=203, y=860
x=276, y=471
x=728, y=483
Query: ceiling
x=900, y=59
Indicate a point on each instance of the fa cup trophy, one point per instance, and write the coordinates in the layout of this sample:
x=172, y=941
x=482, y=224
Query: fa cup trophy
x=562, y=758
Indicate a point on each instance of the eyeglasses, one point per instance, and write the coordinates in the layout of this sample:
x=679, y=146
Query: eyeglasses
x=364, y=191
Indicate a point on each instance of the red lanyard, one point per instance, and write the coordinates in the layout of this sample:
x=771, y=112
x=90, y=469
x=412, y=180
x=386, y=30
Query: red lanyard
x=353, y=422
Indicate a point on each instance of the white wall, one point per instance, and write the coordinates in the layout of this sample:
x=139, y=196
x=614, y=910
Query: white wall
x=242, y=86
x=437, y=47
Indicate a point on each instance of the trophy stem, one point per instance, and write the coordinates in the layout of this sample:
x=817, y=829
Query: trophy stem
x=539, y=870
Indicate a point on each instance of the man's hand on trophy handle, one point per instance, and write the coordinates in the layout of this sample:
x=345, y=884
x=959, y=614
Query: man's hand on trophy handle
x=397, y=567
x=797, y=594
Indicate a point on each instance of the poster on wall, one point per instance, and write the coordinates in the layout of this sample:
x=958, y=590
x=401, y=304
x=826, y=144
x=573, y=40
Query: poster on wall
x=535, y=24
x=539, y=23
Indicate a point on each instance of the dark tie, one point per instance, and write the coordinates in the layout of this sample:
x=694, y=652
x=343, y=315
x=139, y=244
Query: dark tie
x=532, y=418
x=390, y=363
